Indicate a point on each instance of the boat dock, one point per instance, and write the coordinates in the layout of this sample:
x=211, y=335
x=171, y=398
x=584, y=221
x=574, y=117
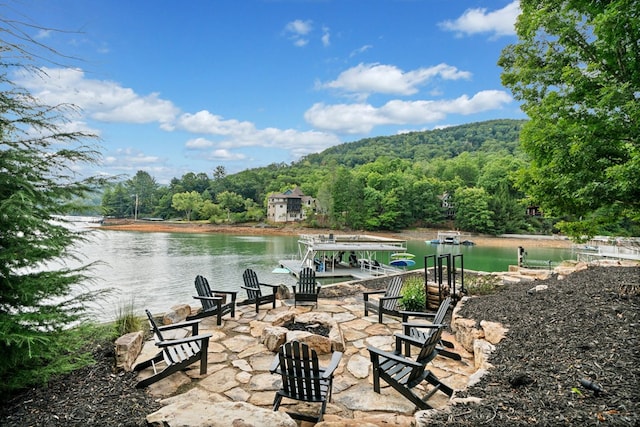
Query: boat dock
x=345, y=256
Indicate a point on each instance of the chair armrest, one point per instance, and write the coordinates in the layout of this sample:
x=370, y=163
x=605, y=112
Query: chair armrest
x=407, y=314
x=318, y=289
x=225, y=292
x=420, y=325
x=233, y=294
x=400, y=338
x=214, y=299
x=267, y=284
x=274, y=288
x=169, y=343
x=193, y=323
x=389, y=298
x=376, y=352
x=335, y=361
x=367, y=293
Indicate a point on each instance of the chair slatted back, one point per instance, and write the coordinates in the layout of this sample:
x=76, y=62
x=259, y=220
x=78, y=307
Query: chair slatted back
x=428, y=350
x=442, y=311
x=250, y=279
x=300, y=371
x=154, y=327
x=204, y=290
x=394, y=289
x=307, y=281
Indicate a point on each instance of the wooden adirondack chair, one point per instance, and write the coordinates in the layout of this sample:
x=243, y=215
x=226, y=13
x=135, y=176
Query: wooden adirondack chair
x=213, y=305
x=388, y=303
x=254, y=291
x=403, y=373
x=302, y=377
x=307, y=288
x=416, y=330
x=176, y=354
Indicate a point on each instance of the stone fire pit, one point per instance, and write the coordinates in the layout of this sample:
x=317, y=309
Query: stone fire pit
x=277, y=334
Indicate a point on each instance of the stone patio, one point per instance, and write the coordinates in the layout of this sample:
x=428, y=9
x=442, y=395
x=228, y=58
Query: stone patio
x=238, y=378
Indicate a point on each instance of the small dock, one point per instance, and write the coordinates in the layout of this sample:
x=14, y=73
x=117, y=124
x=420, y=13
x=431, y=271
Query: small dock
x=349, y=273
x=345, y=256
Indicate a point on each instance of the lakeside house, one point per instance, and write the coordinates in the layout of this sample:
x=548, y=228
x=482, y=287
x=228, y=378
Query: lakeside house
x=290, y=206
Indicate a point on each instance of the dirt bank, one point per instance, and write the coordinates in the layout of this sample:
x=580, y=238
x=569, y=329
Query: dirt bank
x=289, y=230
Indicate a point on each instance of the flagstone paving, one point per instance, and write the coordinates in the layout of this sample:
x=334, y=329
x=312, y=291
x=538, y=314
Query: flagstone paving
x=238, y=367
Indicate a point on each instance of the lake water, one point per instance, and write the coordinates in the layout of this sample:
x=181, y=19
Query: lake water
x=157, y=270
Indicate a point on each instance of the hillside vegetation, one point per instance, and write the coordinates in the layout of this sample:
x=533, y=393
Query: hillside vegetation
x=382, y=183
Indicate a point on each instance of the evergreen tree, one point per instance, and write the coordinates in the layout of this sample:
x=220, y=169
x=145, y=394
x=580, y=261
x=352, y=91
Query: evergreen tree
x=38, y=303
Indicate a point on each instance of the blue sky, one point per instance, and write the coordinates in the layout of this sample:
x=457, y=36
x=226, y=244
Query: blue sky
x=184, y=86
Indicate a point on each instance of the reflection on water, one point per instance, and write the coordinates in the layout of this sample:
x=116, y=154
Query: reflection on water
x=157, y=270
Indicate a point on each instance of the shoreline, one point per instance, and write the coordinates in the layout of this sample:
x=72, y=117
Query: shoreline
x=289, y=230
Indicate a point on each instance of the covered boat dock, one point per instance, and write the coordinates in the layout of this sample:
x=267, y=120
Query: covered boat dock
x=333, y=256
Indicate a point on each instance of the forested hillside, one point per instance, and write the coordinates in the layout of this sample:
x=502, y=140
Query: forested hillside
x=489, y=136
x=382, y=183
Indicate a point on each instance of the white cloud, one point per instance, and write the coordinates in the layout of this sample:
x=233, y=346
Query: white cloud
x=475, y=21
x=389, y=79
x=297, y=30
x=207, y=123
x=43, y=34
x=223, y=154
x=101, y=100
x=326, y=37
x=299, y=27
x=360, y=50
x=361, y=118
x=199, y=143
x=236, y=134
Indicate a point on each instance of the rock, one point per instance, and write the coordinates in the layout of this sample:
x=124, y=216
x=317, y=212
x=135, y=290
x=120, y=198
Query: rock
x=358, y=366
x=538, y=288
x=273, y=337
x=481, y=351
x=494, y=332
x=467, y=333
x=128, y=347
x=177, y=314
x=224, y=414
x=283, y=292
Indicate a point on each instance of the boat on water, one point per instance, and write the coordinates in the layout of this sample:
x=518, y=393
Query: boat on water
x=400, y=255
x=402, y=262
x=347, y=256
x=450, y=238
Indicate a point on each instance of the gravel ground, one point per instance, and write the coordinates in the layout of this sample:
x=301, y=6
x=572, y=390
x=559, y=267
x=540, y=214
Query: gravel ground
x=582, y=327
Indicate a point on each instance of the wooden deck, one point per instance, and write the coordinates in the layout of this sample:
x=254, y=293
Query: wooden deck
x=348, y=273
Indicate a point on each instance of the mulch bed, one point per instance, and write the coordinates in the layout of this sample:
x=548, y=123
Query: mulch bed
x=579, y=328
x=94, y=395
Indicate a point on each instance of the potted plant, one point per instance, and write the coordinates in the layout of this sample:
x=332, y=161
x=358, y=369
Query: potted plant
x=413, y=297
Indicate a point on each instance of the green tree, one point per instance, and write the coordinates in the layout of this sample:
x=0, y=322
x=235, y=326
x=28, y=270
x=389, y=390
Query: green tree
x=472, y=210
x=116, y=201
x=187, y=202
x=142, y=188
x=38, y=159
x=576, y=69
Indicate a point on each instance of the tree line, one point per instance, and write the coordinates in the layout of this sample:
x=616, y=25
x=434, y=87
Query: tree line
x=385, y=183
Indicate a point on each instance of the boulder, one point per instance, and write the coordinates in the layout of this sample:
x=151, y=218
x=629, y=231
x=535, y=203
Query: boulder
x=177, y=314
x=201, y=413
x=128, y=348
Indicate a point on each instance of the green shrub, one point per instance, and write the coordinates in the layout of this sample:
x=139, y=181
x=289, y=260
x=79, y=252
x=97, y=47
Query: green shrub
x=414, y=297
x=481, y=284
x=126, y=320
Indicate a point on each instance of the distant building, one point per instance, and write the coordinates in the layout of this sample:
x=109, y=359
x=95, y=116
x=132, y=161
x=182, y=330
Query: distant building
x=448, y=207
x=292, y=205
x=534, y=211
